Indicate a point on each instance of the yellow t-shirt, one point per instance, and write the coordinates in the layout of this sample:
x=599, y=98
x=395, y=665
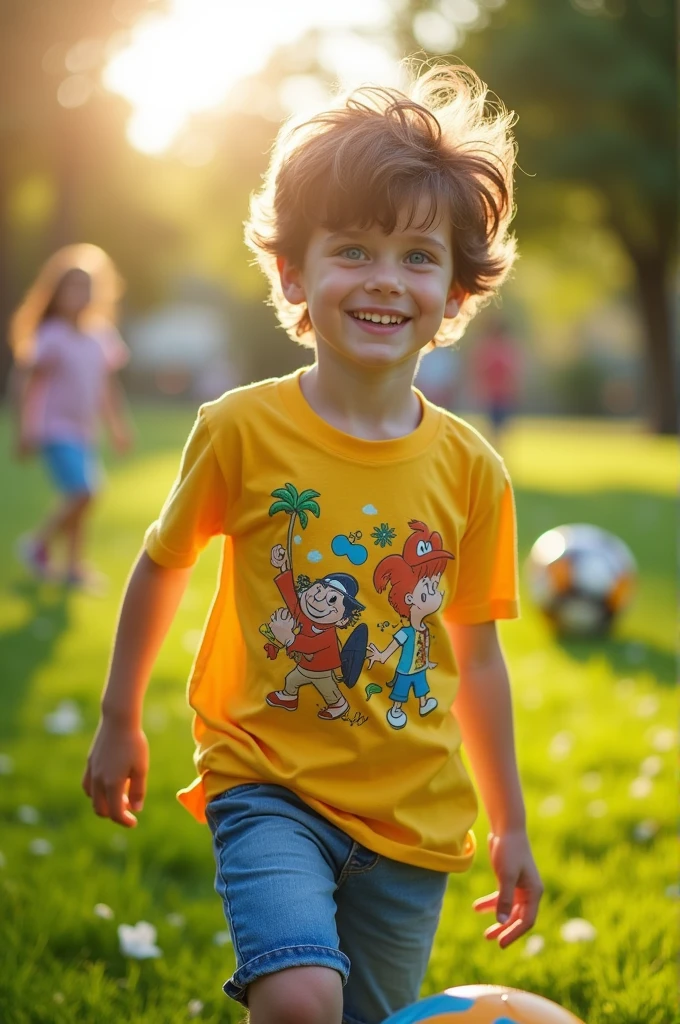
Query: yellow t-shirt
x=325, y=665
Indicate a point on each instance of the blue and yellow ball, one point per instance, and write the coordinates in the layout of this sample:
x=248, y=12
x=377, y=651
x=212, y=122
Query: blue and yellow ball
x=484, y=1004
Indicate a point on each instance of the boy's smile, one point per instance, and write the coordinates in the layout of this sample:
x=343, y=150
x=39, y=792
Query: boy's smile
x=374, y=298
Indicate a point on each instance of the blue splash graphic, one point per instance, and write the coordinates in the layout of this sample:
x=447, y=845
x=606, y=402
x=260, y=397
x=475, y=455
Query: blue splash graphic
x=342, y=545
x=432, y=1007
x=370, y=510
x=314, y=556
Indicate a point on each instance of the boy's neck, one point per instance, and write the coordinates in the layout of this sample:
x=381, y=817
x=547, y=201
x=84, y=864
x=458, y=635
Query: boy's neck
x=373, y=405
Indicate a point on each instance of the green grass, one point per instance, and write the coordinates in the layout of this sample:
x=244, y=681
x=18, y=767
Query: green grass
x=608, y=704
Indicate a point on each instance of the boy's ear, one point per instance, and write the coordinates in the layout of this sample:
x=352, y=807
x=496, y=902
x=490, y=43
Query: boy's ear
x=455, y=299
x=291, y=281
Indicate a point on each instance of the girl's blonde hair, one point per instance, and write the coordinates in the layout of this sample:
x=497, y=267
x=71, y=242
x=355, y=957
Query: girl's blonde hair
x=379, y=153
x=38, y=303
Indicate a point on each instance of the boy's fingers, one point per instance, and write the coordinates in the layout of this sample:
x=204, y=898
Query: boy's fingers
x=99, y=801
x=505, y=899
x=137, y=790
x=114, y=797
x=485, y=903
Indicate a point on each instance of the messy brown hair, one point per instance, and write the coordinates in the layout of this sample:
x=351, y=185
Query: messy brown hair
x=380, y=153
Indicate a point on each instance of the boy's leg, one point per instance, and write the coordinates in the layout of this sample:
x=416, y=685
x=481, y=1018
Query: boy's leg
x=387, y=917
x=277, y=867
x=299, y=995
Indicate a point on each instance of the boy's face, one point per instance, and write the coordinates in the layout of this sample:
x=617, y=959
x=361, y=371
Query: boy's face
x=323, y=605
x=375, y=299
x=426, y=597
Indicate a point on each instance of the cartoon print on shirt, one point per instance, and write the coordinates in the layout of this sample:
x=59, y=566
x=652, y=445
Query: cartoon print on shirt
x=306, y=628
x=413, y=578
x=349, y=546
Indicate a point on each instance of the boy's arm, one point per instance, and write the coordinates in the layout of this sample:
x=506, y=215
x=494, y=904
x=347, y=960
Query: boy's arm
x=117, y=765
x=483, y=708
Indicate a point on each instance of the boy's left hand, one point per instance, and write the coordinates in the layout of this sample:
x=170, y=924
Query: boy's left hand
x=520, y=888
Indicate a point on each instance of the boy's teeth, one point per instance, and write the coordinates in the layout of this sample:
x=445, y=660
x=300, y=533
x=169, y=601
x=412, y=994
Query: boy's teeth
x=378, y=318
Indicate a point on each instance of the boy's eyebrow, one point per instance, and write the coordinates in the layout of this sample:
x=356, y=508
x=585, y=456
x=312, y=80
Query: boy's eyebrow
x=415, y=239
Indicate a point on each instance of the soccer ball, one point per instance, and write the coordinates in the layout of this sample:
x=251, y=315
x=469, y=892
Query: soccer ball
x=581, y=577
x=484, y=1004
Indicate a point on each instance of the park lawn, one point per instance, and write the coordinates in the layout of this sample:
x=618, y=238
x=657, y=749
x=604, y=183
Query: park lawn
x=594, y=728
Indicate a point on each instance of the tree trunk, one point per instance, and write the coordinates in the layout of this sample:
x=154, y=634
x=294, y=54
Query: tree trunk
x=661, y=395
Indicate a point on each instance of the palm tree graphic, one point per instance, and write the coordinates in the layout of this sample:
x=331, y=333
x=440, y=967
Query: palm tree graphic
x=297, y=506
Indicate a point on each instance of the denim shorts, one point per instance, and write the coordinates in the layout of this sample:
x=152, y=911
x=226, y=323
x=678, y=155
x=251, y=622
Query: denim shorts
x=73, y=466
x=298, y=891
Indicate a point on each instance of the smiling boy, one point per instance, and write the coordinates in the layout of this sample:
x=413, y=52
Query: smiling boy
x=382, y=225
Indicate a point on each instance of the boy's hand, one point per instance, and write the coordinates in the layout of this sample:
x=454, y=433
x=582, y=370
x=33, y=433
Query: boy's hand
x=516, y=902
x=115, y=777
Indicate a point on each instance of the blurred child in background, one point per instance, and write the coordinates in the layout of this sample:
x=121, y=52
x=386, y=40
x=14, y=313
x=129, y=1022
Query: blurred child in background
x=67, y=351
x=497, y=372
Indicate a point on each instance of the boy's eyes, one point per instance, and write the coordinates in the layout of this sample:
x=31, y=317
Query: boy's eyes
x=415, y=259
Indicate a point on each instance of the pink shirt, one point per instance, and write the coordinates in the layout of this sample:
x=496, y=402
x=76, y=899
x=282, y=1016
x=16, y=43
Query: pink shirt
x=77, y=365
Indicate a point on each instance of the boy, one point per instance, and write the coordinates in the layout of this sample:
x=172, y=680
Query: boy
x=382, y=225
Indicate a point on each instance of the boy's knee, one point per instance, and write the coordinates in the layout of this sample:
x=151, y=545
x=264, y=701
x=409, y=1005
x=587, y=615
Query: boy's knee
x=298, y=995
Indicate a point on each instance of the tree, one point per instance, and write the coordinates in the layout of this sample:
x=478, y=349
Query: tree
x=593, y=82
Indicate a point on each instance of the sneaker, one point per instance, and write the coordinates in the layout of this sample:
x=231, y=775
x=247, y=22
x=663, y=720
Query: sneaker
x=34, y=556
x=281, y=699
x=332, y=711
x=397, y=718
x=429, y=705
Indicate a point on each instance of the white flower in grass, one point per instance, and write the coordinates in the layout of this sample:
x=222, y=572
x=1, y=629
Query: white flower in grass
x=640, y=787
x=195, y=1007
x=645, y=830
x=176, y=920
x=534, y=945
x=662, y=738
x=138, y=940
x=65, y=719
x=6, y=764
x=40, y=847
x=560, y=746
x=647, y=706
x=28, y=815
x=597, y=809
x=104, y=911
x=651, y=766
x=222, y=938
x=551, y=806
x=578, y=930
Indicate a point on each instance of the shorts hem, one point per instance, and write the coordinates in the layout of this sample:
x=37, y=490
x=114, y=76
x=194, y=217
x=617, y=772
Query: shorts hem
x=281, y=959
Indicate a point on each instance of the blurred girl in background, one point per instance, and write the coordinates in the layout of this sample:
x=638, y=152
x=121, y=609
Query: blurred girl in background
x=67, y=352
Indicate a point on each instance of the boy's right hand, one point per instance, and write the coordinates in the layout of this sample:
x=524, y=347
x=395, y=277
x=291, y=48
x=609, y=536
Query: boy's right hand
x=115, y=776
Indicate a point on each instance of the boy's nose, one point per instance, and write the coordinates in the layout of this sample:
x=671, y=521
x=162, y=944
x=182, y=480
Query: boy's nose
x=384, y=279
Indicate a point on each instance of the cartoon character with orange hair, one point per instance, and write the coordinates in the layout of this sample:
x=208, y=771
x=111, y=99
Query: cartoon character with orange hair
x=413, y=578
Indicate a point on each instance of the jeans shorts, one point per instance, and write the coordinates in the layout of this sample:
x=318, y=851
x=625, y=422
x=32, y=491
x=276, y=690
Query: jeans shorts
x=73, y=466
x=297, y=891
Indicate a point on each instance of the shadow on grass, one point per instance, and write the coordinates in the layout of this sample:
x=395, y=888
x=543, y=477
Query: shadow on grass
x=626, y=656
x=24, y=649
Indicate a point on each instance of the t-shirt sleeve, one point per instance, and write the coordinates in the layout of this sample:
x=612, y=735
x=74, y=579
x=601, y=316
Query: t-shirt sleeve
x=487, y=586
x=195, y=509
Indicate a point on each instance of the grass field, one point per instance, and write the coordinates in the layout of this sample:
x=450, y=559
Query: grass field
x=595, y=727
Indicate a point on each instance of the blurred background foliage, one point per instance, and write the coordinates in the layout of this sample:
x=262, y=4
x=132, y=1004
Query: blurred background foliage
x=592, y=82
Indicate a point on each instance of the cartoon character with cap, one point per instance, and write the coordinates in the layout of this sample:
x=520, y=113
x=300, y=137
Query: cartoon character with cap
x=413, y=578
x=307, y=628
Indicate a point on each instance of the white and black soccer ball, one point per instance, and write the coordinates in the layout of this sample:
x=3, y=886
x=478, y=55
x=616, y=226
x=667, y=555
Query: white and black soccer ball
x=581, y=577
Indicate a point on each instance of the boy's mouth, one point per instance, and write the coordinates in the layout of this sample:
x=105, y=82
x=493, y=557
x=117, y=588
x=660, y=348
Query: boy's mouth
x=378, y=318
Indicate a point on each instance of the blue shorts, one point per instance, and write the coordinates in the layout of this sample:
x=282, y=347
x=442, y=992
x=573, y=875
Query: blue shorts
x=402, y=685
x=297, y=892
x=74, y=467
